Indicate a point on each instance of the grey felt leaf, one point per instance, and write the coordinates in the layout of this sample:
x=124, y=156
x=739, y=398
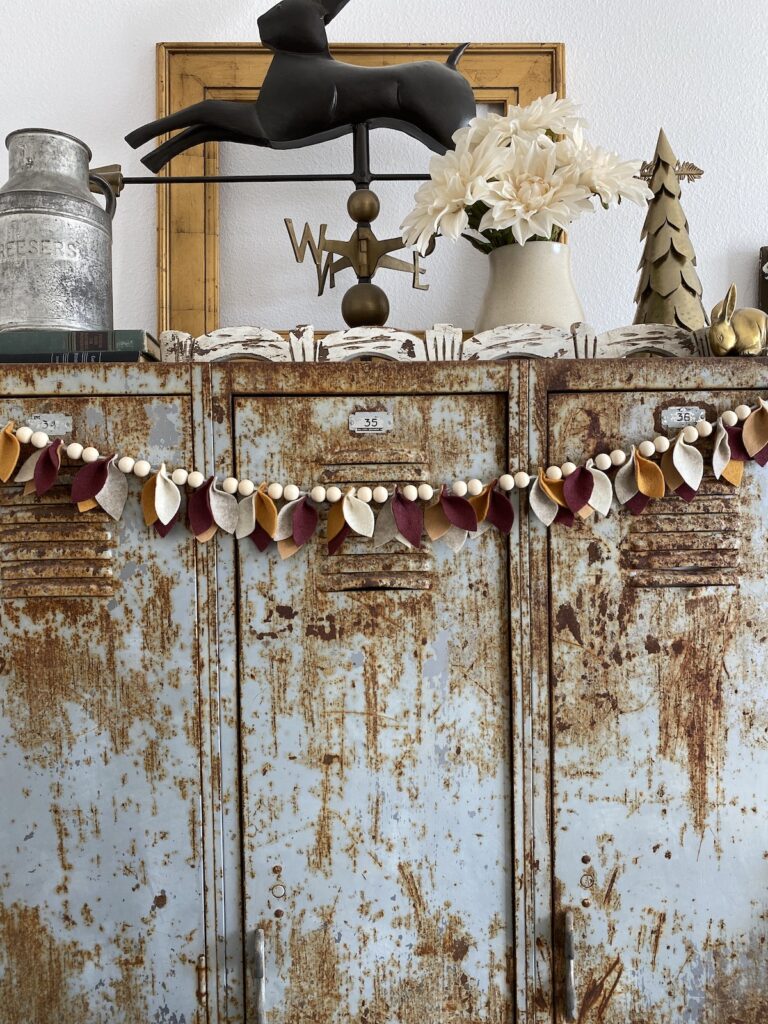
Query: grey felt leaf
x=246, y=517
x=27, y=471
x=386, y=528
x=114, y=494
x=224, y=509
x=721, y=454
x=285, y=520
x=625, y=484
x=455, y=538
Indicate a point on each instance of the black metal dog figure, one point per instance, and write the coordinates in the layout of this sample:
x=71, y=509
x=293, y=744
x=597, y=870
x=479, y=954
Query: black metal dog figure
x=309, y=97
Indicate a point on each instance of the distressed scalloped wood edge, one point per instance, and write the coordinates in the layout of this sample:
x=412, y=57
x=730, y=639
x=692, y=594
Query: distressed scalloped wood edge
x=441, y=343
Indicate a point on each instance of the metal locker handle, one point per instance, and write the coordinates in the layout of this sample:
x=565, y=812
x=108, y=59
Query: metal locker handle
x=571, y=1009
x=259, y=977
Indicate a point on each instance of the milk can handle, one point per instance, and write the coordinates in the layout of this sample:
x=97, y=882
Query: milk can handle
x=106, y=190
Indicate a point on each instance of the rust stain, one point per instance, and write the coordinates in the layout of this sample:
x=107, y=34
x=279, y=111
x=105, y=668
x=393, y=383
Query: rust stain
x=658, y=928
x=566, y=619
x=598, y=992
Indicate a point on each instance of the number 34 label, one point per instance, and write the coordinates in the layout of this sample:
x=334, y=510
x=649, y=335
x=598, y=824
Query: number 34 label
x=370, y=422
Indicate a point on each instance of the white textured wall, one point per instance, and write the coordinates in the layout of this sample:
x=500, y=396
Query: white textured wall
x=697, y=67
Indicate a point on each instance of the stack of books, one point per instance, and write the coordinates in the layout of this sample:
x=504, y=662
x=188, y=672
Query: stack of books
x=78, y=347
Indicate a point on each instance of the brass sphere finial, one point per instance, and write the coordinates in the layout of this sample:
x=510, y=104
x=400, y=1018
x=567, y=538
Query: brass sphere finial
x=365, y=305
x=363, y=206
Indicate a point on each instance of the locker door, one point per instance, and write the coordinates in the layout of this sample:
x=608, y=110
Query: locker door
x=659, y=725
x=374, y=691
x=101, y=918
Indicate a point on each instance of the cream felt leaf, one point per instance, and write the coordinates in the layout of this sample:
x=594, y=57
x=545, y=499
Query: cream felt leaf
x=223, y=509
x=246, y=517
x=284, y=526
x=358, y=515
x=721, y=454
x=455, y=538
x=755, y=430
x=114, y=494
x=10, y=449
x=601, y=498
x=625, y=484
x=544, y=508
x=689, y=462
x=27, y=470
x=167, y=496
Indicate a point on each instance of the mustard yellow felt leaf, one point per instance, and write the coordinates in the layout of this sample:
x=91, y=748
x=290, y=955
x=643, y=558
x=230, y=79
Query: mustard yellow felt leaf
x=436, y=523
x=266, y=512
x=481, y=502
x=733, y=472
x=668, y=468
x=87, y=505
x=208, y=534
x=553, y=489
x=287, y=548
x=148, y=500
x=648, y=477
x=9, y=452
x=335, y=522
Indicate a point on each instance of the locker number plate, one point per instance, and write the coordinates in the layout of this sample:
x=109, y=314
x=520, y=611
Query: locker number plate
x=370, y=422
x=679, y=416
x=55, y=424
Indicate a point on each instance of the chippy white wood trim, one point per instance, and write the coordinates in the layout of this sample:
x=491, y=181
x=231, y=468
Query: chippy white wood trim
x=442, y=343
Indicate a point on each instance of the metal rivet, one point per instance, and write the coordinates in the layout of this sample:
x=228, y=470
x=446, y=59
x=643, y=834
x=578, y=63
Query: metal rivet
x=586, y=859
x=278, y=891
x=277, y=869
x=586, y=881
x=279, y=913
x=586, y=903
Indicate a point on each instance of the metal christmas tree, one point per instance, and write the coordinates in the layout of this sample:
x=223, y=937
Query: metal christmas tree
x=669, y=291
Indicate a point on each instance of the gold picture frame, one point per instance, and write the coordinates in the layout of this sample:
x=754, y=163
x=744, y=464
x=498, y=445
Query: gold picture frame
x=188, y=214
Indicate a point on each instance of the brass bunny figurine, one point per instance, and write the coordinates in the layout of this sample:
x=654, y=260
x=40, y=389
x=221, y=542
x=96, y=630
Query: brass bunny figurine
x=737, y=332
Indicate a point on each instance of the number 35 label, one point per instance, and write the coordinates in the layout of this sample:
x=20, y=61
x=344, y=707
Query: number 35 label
x=370, y=422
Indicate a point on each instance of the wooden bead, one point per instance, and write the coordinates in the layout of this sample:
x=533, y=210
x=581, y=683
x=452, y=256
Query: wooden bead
x=426, y=492
x=603, y=461
x=742, y=411
x=39, y=439
x=179, y=477
x=410, y=493
x=646, y=449
x=126, y=464
x=74, y=451
x=459, y=488
x=229, y=486
x=522, y=480
x=380, y=494
x=90, y=454
x=291, y=492
x=195, y=479
x=729, y=418
x=365, y=494
x=317, y=494
x=554, y=473
x=23, y=435
x=275, y=491
x=568, y=468
x=690, y=434
x=507, y=482
x=661, y=444
x=618, y=457
x=704, y=428
x=246, y=488
x=141, y=468
x=475, y=487
x=333, y=494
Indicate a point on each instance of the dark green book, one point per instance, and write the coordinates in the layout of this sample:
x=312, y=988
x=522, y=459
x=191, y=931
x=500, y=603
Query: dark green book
x=49, y=342
x=134, y=356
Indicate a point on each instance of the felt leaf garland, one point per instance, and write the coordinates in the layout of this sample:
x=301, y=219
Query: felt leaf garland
x=458, y=511
x=89, y=481
x=114, y=492
x=755, y=434
x=724, y=463
x=10, y=449
x=408, y=517
x=358, y=515
x=500, y=514
x=638, y=481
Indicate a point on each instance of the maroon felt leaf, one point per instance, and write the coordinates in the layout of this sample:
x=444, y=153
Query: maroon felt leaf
x=261, y=538
x=736, y=443
x=565, y=517
x=47, y=468
x=458, y=511
x=501, y=514
x=304, y=521
x=199, y=511
x=685, y=492
x=336, y=542
x=761, y=457
x=163, y=529
x=577, y=489
x=409, y=518
x=637, y=504
x=89, y=480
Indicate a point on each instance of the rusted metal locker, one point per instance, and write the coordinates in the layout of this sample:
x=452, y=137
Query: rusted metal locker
x=649, y=717
x=101, y=753
x=376, y=690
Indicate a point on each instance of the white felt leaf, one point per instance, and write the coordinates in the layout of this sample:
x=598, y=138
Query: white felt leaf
x=246, y=517
x=625, y=484
x=602, y=490
x=721, y=454
x=224, y=509
x=689, y=462
x=386, y=528
x=481, y=529
x=455, y=538
x=358, y=516
x=114, y=494
x=543, y=507
x=27, y=471
x=167, y=496
x=284, y=529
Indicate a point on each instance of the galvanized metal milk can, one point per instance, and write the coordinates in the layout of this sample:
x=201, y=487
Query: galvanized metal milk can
x=55, y=237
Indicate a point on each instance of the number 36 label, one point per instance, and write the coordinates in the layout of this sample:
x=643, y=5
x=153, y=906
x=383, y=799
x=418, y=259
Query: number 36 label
x=370, y=422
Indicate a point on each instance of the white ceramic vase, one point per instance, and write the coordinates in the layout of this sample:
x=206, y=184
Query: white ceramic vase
x=530, y=284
